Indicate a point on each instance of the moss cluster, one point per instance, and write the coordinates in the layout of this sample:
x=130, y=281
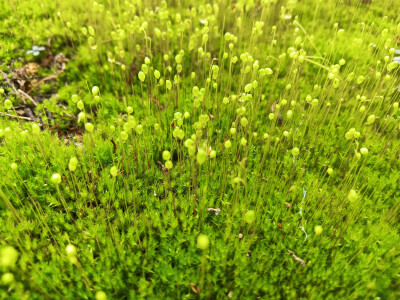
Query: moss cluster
x=199, y=149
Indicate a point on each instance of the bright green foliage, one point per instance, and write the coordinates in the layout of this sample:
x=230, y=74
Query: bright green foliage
x=199, y=149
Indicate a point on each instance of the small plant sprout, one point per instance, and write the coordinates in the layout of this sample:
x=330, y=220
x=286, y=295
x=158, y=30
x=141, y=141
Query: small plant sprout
x=14, y=166
x=56, y=178
x=203, y=241
x=329, y=171
x=228, y=144
x=35, y=50
x=8, y=257
x=250, y=216
x=318, y=229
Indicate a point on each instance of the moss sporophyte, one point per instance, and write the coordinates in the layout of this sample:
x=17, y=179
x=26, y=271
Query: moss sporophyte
x=211, y=150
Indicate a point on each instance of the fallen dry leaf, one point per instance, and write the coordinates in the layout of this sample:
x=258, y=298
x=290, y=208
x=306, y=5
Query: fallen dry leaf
x=31, y=68
x=216, y=210
x=59, y=62
x=297, y=258
x=195, y=288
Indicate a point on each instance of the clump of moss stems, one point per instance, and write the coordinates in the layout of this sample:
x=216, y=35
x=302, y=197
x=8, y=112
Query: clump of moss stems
x=226, y=149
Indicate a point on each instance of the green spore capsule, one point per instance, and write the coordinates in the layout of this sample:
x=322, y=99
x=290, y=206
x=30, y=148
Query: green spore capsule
x=8, y=257
x=203, y=241
x=250, y=216
x=56, y=178
x=114, y=171
x=318, y=229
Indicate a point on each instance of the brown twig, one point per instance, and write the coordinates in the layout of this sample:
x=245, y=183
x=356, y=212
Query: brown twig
x=12, y=116
x=114, y=146
x=47, y=78
x=222, y=146
x=21, y=92
x=9, y=82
